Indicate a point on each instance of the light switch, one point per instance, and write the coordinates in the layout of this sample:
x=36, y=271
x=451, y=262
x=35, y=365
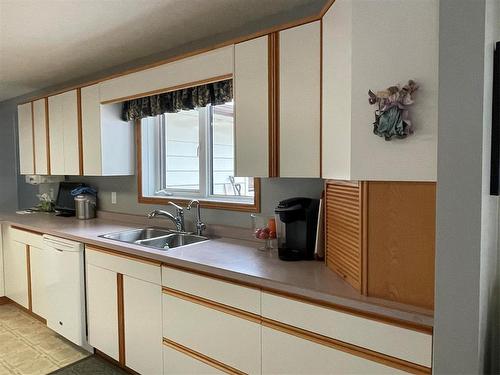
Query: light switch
x=113, y=197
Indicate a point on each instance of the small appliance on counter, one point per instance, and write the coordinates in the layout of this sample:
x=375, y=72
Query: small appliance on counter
x=85, y=202
x=298, y=218
x=65, y=203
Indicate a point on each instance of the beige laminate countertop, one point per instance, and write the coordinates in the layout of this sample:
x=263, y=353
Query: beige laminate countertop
x=230, y=258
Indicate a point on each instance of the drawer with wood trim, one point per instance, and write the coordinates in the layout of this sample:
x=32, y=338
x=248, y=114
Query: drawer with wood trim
x=227, y=293
x=228, y=336
x=410, y=345
x=26, y=237
x=143, y=269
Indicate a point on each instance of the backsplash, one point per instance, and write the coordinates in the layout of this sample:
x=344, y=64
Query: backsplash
x=272, y=191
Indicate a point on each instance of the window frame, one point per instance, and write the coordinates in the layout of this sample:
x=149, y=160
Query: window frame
x=204, y=202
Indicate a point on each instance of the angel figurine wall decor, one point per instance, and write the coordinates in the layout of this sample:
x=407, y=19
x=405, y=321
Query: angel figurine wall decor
x=391, y=116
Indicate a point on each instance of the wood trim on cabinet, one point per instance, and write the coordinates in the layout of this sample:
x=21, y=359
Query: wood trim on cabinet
x=47, y=134
x=229, y=206
x=33, y=143
x=26, y=230
x=80, y=130
x=364, y=237
x=201, y=357
x=273, y=72
x=321, y=98
x=346, y=347
x=213, y=305
x=171, y=88
x=28, y=276
x=121, y=319
x=326, y=7
x=122, y=254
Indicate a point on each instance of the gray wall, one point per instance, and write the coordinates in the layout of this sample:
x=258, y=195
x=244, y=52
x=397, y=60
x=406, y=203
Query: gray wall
x=467, y=217
x=8, y=157
x=272, y=190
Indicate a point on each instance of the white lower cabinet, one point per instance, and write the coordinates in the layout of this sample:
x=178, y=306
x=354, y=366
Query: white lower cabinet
x=287, y=354
x=16, y=276
x=177, y=362
x=143, y=326
x=39, y=281
x=221, y=336
x=102, y=310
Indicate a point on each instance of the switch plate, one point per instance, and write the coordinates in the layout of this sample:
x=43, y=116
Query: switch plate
x=113, y=197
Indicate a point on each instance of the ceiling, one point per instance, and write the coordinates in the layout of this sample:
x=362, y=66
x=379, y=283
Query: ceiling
x=48, y=42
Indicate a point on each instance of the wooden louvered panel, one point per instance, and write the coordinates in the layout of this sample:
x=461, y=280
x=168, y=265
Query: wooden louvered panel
x=344, y=230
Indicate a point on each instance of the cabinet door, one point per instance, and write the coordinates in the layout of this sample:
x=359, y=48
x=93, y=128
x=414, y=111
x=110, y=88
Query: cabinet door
x=16, y=272
x=143, y=325
x=25, y=134
x=299, y=98
x=102, y=310
x=286, y=354
x=39, y=284
x=91, y=131
x=176, y=362
x=40, y=128
x=251, y=106
x=63, y=131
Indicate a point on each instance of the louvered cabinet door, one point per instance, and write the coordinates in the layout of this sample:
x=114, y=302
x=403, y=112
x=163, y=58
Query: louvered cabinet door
x=344, y=230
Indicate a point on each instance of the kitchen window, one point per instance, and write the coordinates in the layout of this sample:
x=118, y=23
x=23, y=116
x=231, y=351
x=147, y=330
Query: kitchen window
x=190, y=155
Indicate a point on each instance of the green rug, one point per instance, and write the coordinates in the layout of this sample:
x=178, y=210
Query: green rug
x=92, y=365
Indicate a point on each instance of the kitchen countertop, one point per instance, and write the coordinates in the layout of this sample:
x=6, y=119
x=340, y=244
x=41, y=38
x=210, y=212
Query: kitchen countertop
x=230, y=258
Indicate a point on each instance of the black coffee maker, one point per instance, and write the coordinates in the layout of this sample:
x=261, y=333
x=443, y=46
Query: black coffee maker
x=300, y=218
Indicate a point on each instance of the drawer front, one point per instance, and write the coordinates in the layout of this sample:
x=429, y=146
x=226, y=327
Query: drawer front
x=240, y=297
x=287, y=354
x=406, y=344
x=27, y=238
x=176, y=362
x=226, y=338
x=142, y=270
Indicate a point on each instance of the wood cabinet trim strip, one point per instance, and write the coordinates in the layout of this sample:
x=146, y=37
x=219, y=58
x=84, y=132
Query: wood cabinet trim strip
x=80, y=130
x=47, y=134
x=213, y=305
x=28, y=276
x=201, y=357
x=171, y=88
x=273, y=76
x=122, y=255
x=121, y=319
x=26, y=230
x=346, y=347
x=33, y=136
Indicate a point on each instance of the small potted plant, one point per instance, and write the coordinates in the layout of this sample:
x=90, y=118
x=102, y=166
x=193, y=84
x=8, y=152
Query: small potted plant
x=46, y=204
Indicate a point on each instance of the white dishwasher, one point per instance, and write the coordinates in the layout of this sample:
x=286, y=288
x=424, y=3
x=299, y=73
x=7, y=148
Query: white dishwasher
x=66, y=288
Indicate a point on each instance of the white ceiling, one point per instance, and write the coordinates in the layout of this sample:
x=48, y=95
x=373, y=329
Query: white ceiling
x=48, y=42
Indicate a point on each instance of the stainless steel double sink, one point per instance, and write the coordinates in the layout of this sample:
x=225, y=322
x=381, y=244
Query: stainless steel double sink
x=162, y=239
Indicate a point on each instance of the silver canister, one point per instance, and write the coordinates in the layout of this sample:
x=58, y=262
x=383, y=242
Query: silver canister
x=85, y=206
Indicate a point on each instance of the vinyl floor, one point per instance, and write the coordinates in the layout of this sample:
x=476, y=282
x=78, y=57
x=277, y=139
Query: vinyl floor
x=28, y=347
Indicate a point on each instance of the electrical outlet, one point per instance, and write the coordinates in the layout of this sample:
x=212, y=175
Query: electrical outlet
x=113, y=197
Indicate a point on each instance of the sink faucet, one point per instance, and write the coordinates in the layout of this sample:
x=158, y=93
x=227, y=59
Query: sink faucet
x=200, y=226
x=178, y=219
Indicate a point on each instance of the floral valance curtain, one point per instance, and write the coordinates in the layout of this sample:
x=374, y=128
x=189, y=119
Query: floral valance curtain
x=170, y=102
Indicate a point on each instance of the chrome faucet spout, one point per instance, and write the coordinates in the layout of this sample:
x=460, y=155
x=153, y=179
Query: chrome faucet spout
x=178, y=220
x=200, y=226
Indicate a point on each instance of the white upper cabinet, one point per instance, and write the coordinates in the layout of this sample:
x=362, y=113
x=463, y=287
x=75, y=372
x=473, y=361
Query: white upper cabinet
x=40, y=128
x=63, y=133
x=107, y=140
x=190, y=70
x=357, y=59
x=251, y=98
x=299, y=101
x=25, y=134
